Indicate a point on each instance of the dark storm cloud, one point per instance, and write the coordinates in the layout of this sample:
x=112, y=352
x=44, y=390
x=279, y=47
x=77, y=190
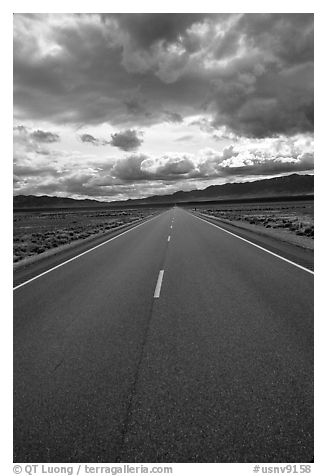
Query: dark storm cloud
x=270, y=90
x=173, y=117
x=288, y=36
x=126, y=140
x=253, y=72
x=136, y=107
x=148, y=28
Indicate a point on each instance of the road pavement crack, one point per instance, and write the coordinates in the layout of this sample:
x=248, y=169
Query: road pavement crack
x=138, y=368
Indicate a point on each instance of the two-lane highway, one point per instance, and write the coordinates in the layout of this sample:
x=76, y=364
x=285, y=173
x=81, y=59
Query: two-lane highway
x=175, y=342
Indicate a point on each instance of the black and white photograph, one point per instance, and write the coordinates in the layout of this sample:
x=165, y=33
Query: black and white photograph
x=163, y=241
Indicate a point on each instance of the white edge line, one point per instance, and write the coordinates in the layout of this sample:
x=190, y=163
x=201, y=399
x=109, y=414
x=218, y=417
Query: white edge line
x=159, y=283
x=257, y=246
x=168, y=238
x=84, y=253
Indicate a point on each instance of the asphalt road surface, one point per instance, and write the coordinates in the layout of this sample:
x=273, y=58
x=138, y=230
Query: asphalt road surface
x=174, y=342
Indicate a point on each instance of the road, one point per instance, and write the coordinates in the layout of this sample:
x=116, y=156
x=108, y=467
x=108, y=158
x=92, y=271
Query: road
x=175, y=342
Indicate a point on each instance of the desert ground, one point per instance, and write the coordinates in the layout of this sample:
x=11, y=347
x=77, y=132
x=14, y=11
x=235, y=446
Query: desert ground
x=291, y=221
x=35, y=233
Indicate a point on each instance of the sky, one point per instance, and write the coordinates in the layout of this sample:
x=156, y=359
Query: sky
x=118, y=106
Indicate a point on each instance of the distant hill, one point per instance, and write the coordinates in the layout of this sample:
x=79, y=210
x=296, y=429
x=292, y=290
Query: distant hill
x=286, y=186
x=44, y=201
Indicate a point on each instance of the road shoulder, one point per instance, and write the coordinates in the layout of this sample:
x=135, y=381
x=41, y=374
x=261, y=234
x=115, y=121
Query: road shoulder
x=274, y=244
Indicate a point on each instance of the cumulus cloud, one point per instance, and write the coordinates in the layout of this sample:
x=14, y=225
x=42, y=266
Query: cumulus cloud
x=88, y=138
x=141, y=167
x=126, y=140
x=29, y=141
x=129, y=169
x=36, y=136
x=43, y=136
x=280, y=155
x=168, y=167
x=275, y=156
x=139, y=175
x=20, y=129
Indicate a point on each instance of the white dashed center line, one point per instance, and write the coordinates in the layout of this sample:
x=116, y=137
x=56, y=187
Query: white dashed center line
x=159, y=283
x=168, y=239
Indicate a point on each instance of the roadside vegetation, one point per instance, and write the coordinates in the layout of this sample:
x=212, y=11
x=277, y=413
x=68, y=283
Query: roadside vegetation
x=37, y=232
x=291, y=218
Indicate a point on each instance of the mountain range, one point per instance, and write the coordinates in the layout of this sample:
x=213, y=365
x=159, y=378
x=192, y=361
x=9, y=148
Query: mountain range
x=285, y=186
